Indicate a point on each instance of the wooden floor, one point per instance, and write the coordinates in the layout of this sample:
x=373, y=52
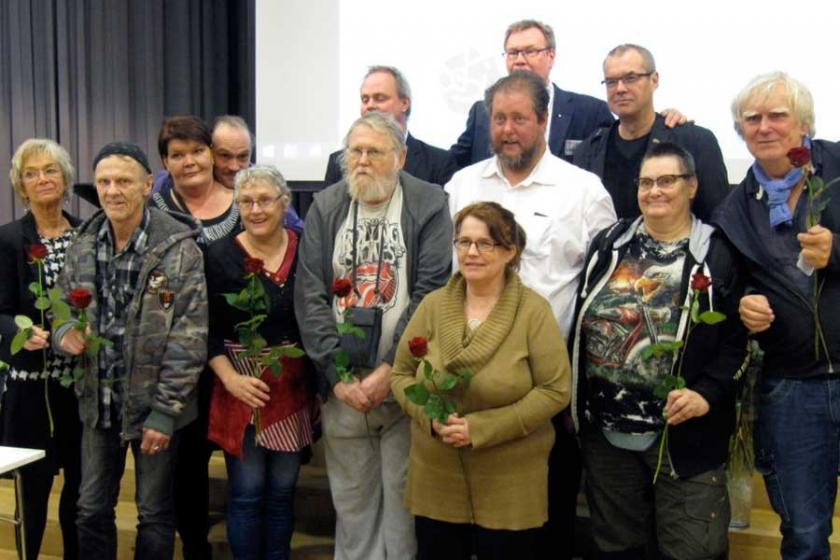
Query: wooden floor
x=315, y=520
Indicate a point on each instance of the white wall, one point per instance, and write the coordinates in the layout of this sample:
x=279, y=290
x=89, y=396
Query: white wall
x=311, y=56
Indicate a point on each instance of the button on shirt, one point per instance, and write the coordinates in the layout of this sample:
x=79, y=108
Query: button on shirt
x=116, y=284
x=560, y=206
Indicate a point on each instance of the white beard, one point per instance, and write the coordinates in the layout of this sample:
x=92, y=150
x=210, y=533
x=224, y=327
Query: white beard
x=374, y=190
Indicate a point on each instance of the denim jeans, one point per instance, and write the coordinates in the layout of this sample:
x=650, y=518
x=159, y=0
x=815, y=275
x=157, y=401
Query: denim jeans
x=797, y=448
x=260, y=513
x=103, y=463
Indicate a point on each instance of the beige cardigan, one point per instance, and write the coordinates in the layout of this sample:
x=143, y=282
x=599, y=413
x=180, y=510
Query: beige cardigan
x=521, y=378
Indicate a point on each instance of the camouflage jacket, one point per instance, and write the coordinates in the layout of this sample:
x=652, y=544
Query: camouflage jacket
x=165, y=342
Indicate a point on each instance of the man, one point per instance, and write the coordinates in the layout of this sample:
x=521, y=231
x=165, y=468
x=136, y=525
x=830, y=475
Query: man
x=391, y=236
x=385, y=89
x=615, y=152
x=233, y=143
x=790, y=264
x=561, y=208
x=530, y=45
x=145, y=276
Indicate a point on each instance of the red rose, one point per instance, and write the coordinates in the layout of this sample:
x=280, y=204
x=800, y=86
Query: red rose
x=799, y=156
x=80, y=298
x=419, y=346
x=342, y=287
x=700, y=282
x=37, y=252
x=253, y=266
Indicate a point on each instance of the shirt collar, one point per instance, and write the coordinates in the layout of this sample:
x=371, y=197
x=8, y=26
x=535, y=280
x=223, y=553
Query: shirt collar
x=540, y=174
x=136, y=244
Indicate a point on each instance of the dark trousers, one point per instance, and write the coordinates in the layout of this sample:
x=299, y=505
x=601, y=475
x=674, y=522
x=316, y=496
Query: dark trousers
x=36, y=495
x=439, y=540
x=192, y=483
x=557, y=538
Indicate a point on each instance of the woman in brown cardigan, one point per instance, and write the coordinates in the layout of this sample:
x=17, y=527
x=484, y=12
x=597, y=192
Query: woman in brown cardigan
x=478, y=484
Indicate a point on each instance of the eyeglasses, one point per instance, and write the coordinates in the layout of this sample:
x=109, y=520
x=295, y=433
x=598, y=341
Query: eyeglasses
x=664, y=182
x=373, y=154
x=52, y=172
x=627, y=79
x=246, y=204
x=482, y=245
x=528, y=53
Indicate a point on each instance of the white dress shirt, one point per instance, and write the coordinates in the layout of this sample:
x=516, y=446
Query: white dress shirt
x=560, y=206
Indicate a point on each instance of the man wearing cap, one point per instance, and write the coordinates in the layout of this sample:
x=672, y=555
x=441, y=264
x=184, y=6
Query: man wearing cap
x=147, y=297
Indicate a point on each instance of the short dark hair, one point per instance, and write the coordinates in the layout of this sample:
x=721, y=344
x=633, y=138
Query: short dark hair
x=526, y=24
x=521, y=80
x=403, y=88
x=186, y=127
x=647, y=56
x=501, y=224
x=669, y=149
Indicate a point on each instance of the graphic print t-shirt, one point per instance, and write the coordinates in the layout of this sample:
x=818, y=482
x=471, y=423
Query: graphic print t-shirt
x=378, y=227
x=639, y=305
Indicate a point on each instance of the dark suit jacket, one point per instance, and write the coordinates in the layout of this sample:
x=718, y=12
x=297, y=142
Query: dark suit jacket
x=712, y=179
x=574, y=117
x=422, y=160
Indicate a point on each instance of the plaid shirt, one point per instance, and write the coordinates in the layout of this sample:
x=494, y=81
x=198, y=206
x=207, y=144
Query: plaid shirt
x=116, y=284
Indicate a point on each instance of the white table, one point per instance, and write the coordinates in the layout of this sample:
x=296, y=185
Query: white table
x=11, y=460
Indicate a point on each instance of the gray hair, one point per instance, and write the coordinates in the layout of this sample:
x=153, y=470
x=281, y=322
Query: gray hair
x=521, y=80
x=798, y=96
x=647, y=57
x=234, y=121
x=36, y=147
x=403, y=89
x=525, y=24
x=379, y=122
x=261, y=173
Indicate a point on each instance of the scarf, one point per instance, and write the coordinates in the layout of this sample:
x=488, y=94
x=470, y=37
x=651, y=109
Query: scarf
x=778, y=190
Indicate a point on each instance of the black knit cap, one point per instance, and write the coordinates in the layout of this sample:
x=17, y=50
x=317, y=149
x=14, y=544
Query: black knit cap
x=123, y=149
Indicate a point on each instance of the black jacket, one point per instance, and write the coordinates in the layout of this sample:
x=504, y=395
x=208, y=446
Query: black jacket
x=713, y=354
x=700, y=143
x=789, y=342
x=573, y=117
x=16, y=273
x=422, y=160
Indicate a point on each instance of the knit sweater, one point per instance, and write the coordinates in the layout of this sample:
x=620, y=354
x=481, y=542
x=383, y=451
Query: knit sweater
x=521, y=378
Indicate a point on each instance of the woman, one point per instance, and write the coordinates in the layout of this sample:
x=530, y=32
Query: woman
x=483, y=476
x=262, y=465
x=791, y=267
x=36, y=411
x=640, y=280
x=184, y=144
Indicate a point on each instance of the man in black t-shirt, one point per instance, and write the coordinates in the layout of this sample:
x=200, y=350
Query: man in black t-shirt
x=615, y=153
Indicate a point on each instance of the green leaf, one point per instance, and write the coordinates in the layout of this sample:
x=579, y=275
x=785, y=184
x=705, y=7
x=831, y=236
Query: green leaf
x=342, y=359
x=680, y=382
x=92, y=347
x=711, y=317
x=358, y=332
x=42, y=303
x=465, y=375
x=78, y=373
x=55, y=294
x=449, y=382
x=291, y=352
x=345, y=375
x=417, y=393
x=20, y=339
x=661, y=392
x=695, y=309
x=647, y=353
x=258, y=342
x=434, y=409
x=276, y=368
x=448, y=407
x=24, y=322
x=35, y=288
x=60, y=312
x=428, y=370
x=66, y=381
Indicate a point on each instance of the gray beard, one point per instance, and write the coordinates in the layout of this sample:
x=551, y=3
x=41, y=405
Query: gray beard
x=378, y=190
x=517, y=163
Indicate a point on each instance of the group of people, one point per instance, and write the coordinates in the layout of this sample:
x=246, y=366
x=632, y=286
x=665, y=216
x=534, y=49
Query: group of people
x=465, y=342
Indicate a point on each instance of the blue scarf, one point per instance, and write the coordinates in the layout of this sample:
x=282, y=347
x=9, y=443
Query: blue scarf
x=778, y=190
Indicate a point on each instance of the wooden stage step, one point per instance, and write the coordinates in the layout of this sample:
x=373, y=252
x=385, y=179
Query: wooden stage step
x=315, y=520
